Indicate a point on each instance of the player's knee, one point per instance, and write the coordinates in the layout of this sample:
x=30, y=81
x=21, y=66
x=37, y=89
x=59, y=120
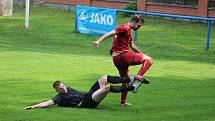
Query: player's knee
x=105, y=89
x=150, y=60
x=103, y=78
x=147, y=58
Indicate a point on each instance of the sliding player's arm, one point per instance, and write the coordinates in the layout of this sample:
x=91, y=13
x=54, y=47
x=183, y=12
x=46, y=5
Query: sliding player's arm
x=41, y=105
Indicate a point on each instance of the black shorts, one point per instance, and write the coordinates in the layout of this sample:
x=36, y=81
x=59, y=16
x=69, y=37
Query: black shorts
x=88, y=102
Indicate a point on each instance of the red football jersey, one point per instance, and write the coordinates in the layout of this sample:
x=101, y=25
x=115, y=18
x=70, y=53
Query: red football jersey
x=122, y=38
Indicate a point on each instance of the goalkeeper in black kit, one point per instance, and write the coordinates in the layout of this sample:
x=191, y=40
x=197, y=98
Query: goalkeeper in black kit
x=69, y=97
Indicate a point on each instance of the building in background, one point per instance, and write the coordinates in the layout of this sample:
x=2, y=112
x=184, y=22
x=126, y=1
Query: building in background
x=202, y=8
x=6, y=7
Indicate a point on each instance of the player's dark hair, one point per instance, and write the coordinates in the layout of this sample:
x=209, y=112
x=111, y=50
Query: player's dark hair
x=56, y=84
x=137, y=18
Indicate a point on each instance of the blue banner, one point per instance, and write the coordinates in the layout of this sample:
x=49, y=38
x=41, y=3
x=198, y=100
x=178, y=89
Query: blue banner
x=92, y=20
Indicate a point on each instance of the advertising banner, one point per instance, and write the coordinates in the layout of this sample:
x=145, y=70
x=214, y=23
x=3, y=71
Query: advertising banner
x=93, y=20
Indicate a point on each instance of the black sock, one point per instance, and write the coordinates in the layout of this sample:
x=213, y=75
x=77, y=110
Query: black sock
x=116, y=79
x=118, y=89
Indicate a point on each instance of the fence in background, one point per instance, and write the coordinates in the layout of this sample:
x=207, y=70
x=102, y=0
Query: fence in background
x=209, y=20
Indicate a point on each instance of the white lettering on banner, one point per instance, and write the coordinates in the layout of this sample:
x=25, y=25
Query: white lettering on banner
x=101, y=19
x=92, y=30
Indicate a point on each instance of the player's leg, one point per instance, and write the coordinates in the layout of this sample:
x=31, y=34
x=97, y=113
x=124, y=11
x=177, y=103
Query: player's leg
x=146, y=62
x=123, y=61
x=112, y=79
x=100, y=88
x=139, y=58
x=124, y=95
x=117, y=79
x=117, y=89
x=132, y=58
x=123, y=71
x=120, y=61
x=100, y=94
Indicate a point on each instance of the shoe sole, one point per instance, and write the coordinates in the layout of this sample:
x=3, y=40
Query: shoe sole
x=136, y=90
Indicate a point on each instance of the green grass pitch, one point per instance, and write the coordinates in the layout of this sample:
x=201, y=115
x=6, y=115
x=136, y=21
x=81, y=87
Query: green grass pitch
x=182, y=76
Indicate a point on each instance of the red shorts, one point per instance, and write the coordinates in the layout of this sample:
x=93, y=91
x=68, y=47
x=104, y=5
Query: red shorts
x=126, y=59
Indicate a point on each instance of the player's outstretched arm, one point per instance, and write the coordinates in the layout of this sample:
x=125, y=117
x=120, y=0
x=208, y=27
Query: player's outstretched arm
x=105, y=36
x=40, y=105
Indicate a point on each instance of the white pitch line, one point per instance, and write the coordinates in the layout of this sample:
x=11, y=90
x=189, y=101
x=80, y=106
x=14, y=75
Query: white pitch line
x=38, y=50
x=5, y=45
x=55, y=52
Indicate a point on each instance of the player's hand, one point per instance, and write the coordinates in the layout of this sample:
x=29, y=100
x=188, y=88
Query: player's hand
x=28, y=108
x=95, y=43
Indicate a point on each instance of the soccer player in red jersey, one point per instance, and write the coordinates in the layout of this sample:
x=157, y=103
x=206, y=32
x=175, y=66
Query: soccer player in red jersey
x=122, y=56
